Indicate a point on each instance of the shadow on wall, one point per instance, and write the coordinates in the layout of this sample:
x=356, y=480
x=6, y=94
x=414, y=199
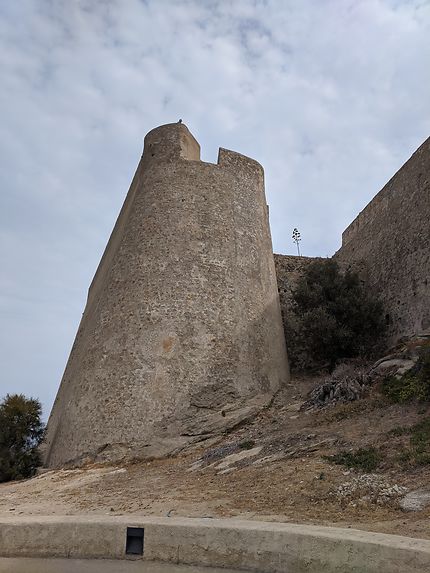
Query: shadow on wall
x=234, y=387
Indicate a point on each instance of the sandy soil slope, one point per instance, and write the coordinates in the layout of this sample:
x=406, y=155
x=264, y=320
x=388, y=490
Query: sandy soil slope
x=271, y=468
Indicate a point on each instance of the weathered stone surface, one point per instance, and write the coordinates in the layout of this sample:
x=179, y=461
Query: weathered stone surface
x=389, y=243
x=416, y=500
x=233, y=458
x=182, y=324
x=289, y=269
x=400, y=365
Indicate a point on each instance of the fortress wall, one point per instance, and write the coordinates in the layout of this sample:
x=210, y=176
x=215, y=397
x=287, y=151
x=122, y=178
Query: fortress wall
x=389, y=242
x=188, y=148
x=182, y=323
x=289, y=268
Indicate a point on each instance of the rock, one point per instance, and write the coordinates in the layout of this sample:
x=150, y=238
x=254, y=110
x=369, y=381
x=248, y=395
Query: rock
x=195, y=466
x=269, y=459
x=384, y=359
x=117, y=471
x=307, y=449
x=208, y=422
x=293, y=407
x=233, y=458
x=415, y=500
x=226, y=471
x=369, y=489
x=42, y=471
x=400, y=365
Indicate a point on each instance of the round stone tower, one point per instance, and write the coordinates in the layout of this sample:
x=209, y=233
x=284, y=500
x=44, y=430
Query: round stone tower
x=182, y=334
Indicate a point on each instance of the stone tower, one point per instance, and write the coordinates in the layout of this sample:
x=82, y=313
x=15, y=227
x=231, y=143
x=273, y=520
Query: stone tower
x=181, y=335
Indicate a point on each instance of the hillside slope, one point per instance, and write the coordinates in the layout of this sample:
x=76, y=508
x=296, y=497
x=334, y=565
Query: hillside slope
x=272, y=467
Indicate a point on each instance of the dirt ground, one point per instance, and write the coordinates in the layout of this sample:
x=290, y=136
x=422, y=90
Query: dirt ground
x=271, y=468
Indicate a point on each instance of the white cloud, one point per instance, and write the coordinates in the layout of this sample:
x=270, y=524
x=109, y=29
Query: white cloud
x=331, y=97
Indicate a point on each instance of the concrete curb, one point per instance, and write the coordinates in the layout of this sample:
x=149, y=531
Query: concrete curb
x=247, y=545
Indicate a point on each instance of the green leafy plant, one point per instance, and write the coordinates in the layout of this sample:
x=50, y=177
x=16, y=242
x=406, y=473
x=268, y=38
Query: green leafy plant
x=335, y=317
x=413, y=385
x=21, y=432
x=420, y=441
x=418, y=452
x=365, y=459
x=399, y=431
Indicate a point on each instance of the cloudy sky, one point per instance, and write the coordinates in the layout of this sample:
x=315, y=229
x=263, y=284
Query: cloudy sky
x=331, y=96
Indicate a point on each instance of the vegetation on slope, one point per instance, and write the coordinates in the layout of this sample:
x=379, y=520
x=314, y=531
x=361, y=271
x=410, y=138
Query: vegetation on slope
x=334, y=318
x=413, y=385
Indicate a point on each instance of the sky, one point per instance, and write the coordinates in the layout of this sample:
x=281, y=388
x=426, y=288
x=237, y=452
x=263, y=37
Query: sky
x=330, y=96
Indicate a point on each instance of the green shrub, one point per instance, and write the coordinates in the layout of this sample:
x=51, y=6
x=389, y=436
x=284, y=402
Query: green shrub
x=399, y=431
x=365, y=459
x=404, y=456
x=422, y=459
x=419, y=443
x=403, y=389
x=21, y=432
x=335, y=317
x=247, y=444
x=413, y=385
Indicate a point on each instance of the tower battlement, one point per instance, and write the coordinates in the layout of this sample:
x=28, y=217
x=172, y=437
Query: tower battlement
x=171, y=142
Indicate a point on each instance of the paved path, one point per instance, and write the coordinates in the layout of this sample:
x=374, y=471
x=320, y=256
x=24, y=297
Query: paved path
x=97, y=566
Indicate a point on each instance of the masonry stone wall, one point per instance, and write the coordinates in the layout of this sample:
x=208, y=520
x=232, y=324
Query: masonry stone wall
x=182, y=325
x=289, y=268
x=389, y=244
x=182, y=330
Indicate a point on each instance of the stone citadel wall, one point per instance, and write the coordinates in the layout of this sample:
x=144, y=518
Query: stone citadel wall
x=182, y=334
x=289, y=268
x=182, y=330
x=389, y=243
